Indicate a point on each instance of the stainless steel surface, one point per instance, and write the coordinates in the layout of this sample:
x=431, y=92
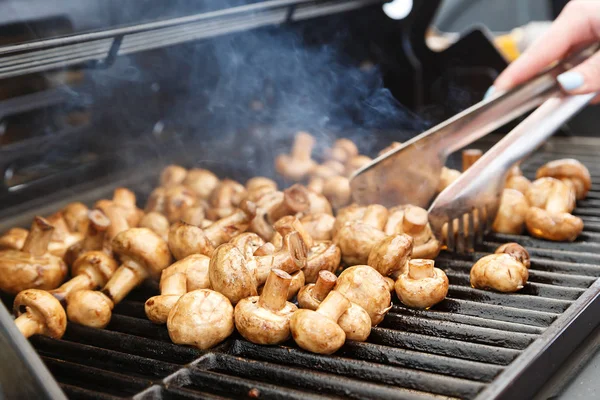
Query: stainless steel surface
x=411, y=172
x=476, y=194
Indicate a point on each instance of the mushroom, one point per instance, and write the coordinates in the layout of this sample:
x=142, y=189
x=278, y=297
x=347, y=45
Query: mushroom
x=290, y=224
x=202, y=318
x=14, y=239
x=389, y=148
x=181, y=277
x=337, y=190
x=517, y=251
x=501, y=272
x=390, y=282
x=76, y=217
x=315, y=184
x=248, y=243
x=156, y=201
x=260, y=225
x=326, y=171
x=230, y=274
x=318, y=226
x=318, y=331
x=342, y=150
x=156, y=222
x=296, y=284
x=118, y=224
x=511, y=213
x=33, y=267
x=265, y=319
x=311, y=295
x=366, y=287
x=172, y=175
x=290, y=258
x=375, y=215
x=201, y=181
x=559, y=227
x=470, y=157
x=518, y=182
x=318, y=204
x=391, y=254
x=194, y=216
x=356, y=240
x=178, y=200
x=298, y=164
x=515, y=170
x=447, y=176
x=356, y=163
x=552, y=195
x=38, y=313
x=90, y=270
x=322, y=256
x=355, y=323
x=422, y=286
x=295, y=200
x=225, y=198
x=259, y=182
x=414, y=222
x=125, y=201
x=143, y=254
x=569, y=170
x=62, y=237
x=94, y=237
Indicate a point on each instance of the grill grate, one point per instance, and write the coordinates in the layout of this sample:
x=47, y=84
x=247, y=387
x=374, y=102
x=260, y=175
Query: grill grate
x=474, y=343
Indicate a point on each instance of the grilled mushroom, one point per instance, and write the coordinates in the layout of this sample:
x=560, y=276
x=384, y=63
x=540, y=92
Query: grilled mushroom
x=143, y=254
x=156, y=222
x=342, y=150
x=375, y=215
x=422, y=286
x=290, y=224
x=225, y=198
x=413, y=221
x=518, y=182
x=259, y=182
x=323, y=256
x=38, y=313
x=94, y=237
x=511, y=213
x=178, y=200
x=76, y=216
x=230, y=275
x=125, y=201
x=391, y=254
x=568, y=170
x=517, y=251
x=390, y=282
x=62, y=237
x=559, y=227
x=296, y=284
x=190, y=273
x=290, y=258
x=201, y=181
x=355, y=323
x=337, y=190
x=172, y=175
x=447, y=176
x=551, y=195
x=265, y=319
x=356, y=240
x=501, y=272
x=366, y=287
x=32, y=267
x=311, y=295
x=202, y=318
x=318, y=204
x=248, y=243
x=295, y=200
x=315, y=184
x=298, y=164
x=470, y=157
x=318, y=226
x=318, y=331
x=14, y=239
x=195, y=216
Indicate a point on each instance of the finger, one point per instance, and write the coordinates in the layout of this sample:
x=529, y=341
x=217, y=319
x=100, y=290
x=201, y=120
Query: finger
x=576, y=26
x=584, y=78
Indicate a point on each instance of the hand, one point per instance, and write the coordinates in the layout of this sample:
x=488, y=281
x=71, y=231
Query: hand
x=577, y=26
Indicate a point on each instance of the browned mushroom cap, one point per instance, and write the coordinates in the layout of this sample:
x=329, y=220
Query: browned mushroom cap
x=413, y=221
x=296, y=284
x=391, y=147
x=94, y=237
x=356, y=240
x=571, y=170
x=323, y=256
x=375, y=215
x=355, y=323
x=89, y=308
x=422, y=286
x=391, y=254
x=500, y=272
x=259, y=182
x=318, y=204
x=447, y=177
x=561, y=227
x=366, y=287
x=290, y=258
x=356, y=162
x=172, y=175
x=14, y=239
x=201, y=318
x=469, y=157
x=229, y=273
x=201, y=181
x=295, y=200
x=178, y=199
x=156, y=222
x=267, y=249
x=38, y=313
x=318, y=331
x=551, y=195
x=311, y=295
x=511, y=214
x=353, y=212
x=156, y=201
x=185, y=239
x=225, y=198
x=342, y=150
x=124, y=200
x=318, y=226
x=265, y=319
x=76, y=217
x=337, y=190
x=297, y=165
x=32, y=267
x=91, y=270
x=290, y=224
x=247, y=243
x=517, y=251
x=518, y=182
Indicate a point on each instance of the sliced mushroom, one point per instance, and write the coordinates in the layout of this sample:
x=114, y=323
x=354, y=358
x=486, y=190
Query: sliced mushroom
x=32, y=267
x=298, y=164
x=570, y=170
x=516, y=251
x=201, y=318
x=318, y=226
x=318, y=331
x=201, y=181
x=391, y=254
x=501, y=272
x=265, y=319
x=511, y=213
x=38, y=313
x=422, y=286
x=230, y=275
x=558, y=227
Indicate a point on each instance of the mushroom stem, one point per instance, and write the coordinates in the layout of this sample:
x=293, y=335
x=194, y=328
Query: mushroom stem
x=295, y=200
x=27, y=325
x=415, y=220
x=94, y=237
x=325, y=283
x=224, y=229
x=275, y=293
x=290, y=224
x=334, y=305
x=39, y=237
x=303, y=146
x=124, y=280
x=79, y=282
x=420, y=269
x=118, y=223
x=265, y=250
x=291, y=258
x=469, y=157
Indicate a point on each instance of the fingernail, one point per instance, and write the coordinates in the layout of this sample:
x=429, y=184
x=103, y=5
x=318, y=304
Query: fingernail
x=489, y=92
x=570, y=80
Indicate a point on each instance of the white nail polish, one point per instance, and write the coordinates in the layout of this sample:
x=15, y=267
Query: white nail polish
x=570, y=80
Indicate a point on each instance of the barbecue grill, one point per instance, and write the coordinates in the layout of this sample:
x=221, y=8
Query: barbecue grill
x=475, y=344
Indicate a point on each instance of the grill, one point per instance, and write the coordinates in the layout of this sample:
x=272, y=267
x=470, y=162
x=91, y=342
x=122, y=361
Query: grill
x=475, y=344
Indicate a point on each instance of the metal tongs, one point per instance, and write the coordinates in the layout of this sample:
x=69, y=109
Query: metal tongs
x=409, y=174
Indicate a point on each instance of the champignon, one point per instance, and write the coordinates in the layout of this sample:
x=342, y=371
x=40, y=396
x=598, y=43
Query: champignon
x=318, y=226
x=511, y=213
x=323, y=256
x=318, y=204
x=298, y=164
x=295, y=200
x=356, y=240
x=230, y=275
x=311, y=295
x=517, y=251
x=559, y=227
x=172, y=175
x=551, y=195
x=94, y=237
x=248, y=243
x=14, y=239
x=296, y=284
x=76, y=216
x=570, y=170
x=290, y=224
x=202, y=318
x=422, y=286
x=38, y=313
x=290, y=258
x=355, y=323
x=123, y=200
x=225, y=198
x=156, y=222
x=501, y=272
x=391, y=254
x=265, y=319
x=518, y=182
x=337, y=190
x=356, y=163
x=201, y=181
x=342, y=150
x=447, y=177
x=413, y=221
